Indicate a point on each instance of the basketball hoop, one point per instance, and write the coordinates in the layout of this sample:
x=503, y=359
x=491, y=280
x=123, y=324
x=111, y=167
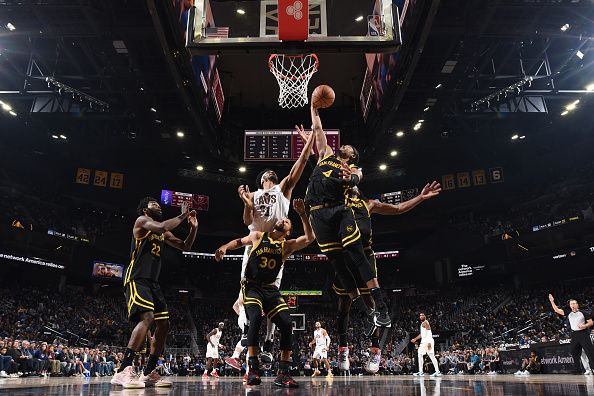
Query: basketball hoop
x=292, y=73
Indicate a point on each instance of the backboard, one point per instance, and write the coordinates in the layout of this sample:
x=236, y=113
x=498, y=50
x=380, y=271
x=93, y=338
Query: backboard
x=363, y=26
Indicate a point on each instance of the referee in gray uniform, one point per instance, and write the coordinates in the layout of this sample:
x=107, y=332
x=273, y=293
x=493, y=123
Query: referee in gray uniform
x=578, y=324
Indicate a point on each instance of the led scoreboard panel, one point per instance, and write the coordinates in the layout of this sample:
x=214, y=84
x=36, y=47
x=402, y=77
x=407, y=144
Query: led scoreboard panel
x=280, y=144
x=397, y=197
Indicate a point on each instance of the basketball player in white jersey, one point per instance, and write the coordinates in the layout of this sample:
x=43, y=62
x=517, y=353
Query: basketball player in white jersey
x=212, y=351
x=321, y=341
x=262, y=210
x=427, y=347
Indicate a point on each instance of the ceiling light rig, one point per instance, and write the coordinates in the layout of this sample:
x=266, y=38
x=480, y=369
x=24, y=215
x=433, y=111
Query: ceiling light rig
x=515, y=88
x=62, y=89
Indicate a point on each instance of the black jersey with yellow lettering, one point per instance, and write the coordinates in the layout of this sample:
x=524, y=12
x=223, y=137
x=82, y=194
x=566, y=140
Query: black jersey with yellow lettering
x=363, y=219
x=265, y=260
x=325, y=185
x=145, y=258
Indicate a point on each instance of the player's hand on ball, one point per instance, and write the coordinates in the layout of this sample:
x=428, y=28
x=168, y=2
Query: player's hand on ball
x=220, y=253
x=431, y=190
x=299, y=206
x=345, y=172
x=193, y=219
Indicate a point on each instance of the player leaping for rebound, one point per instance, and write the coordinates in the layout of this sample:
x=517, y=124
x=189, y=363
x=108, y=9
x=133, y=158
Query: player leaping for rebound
x=260, y=294
x=262, y=209
x=337, y=233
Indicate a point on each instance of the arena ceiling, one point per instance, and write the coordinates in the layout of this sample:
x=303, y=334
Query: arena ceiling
x=130, y=55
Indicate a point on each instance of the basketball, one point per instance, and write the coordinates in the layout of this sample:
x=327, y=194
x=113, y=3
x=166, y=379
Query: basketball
x=323, y=96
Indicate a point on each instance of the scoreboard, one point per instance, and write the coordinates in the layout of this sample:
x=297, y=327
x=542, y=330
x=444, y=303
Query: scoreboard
x=176, y=198
x=280, y=144
x=397, y=197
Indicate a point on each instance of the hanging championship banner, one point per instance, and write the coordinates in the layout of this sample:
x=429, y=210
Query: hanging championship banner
x=83, y=175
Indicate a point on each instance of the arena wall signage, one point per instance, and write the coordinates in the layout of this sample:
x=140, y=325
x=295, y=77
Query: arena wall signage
x=31, y=260
x=68, y=236
x=555, y=357
x=555, y=223
x=474, y=178
x=295, y=257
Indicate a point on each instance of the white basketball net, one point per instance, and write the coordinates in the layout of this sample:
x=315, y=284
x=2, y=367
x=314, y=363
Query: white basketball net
x=293, y=73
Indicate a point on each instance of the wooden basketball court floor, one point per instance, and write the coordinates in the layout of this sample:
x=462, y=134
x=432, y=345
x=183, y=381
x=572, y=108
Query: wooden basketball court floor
x=344, y=386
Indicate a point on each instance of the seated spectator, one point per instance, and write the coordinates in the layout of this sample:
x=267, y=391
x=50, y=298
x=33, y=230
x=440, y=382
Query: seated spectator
x=530, y=365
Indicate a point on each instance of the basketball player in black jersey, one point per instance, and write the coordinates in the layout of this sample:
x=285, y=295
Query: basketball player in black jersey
x=337, y=233
x=144, y=298
x=363, y=208
x=260, y=294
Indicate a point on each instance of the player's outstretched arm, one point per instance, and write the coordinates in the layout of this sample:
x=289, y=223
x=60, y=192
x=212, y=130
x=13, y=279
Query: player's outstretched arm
x=304, y=240
x=289, y=182
x=237, y=243
x=186, y=244
x=557, y=310
x=148, y=224
x=428, y=192
x=321, y=143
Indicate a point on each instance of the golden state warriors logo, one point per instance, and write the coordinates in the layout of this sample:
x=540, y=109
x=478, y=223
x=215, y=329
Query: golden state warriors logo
x=350, y=228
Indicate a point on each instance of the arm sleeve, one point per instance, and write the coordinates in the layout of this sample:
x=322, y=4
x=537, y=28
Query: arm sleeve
x=587, y=315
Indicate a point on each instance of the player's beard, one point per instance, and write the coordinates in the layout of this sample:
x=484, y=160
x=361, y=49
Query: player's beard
x=154, y=214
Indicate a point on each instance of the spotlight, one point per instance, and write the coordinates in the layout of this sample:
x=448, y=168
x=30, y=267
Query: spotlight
x=590, y=87
x=383, y=167
x=199, y=168
x=565, y=113
x=242, y=169
x=514, y=137
x=6, y=107
x=438, y=86
x=565, y=27
x=12, y=113
x=359, y=18
x=55, y=137
x=153, y=109
x=63, y=137
x=10, y=27
x=240, y=11
x=417, y=126
x=426, y=108
x=572, y=106
x=579, y=54
x=522, y=137
x=180, y=134
x=399, y=133
x=393, y=153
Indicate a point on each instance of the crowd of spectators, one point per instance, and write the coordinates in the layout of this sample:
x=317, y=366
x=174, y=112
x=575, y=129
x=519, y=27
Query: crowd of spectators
x=44, y=332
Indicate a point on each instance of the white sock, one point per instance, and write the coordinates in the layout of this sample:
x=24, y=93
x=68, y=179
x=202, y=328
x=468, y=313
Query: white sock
x=238, y=350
